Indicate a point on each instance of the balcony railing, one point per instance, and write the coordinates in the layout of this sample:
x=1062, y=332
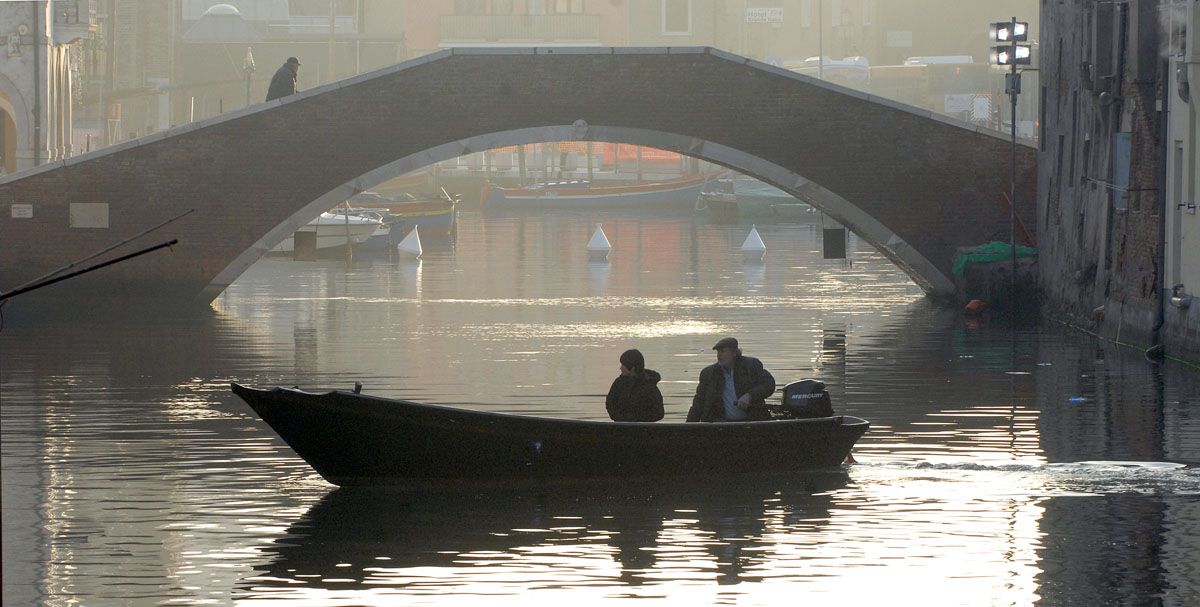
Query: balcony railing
x=520, y=28
x=308, y=25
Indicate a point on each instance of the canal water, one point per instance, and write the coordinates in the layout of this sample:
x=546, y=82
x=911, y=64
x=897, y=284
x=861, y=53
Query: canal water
x=1003, y=466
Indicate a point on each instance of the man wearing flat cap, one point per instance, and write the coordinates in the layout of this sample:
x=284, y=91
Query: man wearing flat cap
x=283, y=83
x=735, y=388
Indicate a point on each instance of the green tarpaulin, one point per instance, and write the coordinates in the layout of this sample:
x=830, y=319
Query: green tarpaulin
x=992, y=251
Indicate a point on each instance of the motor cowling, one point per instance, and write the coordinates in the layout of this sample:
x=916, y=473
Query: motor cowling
x=806, y=398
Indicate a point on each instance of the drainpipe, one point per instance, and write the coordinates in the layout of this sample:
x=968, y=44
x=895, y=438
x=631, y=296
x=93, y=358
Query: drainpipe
x=1156, y=349
x=37, y=87
x=1114, y=126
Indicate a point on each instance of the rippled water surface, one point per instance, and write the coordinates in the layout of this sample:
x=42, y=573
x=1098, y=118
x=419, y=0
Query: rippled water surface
x=1034, y=466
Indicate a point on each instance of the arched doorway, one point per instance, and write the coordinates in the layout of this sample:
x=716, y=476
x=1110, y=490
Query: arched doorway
x=8, y=136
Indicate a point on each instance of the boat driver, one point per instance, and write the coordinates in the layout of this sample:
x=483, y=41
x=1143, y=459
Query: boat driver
x=735, y=388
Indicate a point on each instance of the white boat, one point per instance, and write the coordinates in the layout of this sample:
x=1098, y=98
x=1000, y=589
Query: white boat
x=332, y=230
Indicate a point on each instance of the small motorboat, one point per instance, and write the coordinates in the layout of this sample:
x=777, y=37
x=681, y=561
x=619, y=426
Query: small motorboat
x=351, y=439
x=333, y=230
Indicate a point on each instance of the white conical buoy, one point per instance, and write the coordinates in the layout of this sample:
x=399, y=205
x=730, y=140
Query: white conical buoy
x=598, y=247
x=411, y=245
x=754, y=247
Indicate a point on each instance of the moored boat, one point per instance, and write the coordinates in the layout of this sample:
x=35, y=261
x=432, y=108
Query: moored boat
x=354, y=439
x=333, y=230
x=581, y=194
x=434, y=214
x=717, y=201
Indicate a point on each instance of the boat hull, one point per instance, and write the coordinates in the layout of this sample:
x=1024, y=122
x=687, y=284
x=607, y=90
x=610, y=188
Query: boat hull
x=332, y=234
x=435, y=218
x=351, y=440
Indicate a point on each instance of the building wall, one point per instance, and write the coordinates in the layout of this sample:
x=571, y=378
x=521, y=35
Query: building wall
x=37, y=78
x=17, y=81
x=1100, y=192
x=1181, y=324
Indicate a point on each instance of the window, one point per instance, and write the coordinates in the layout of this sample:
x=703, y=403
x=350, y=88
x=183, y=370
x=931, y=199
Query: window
x=566, y=7
x=677, y=16
x=470, y=7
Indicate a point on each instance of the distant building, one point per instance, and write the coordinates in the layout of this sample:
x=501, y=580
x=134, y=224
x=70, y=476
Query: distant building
x=40, y=79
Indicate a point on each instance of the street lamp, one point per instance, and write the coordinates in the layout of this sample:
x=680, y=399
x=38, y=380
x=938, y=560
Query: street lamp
x=1011, y=54
x=248, y=67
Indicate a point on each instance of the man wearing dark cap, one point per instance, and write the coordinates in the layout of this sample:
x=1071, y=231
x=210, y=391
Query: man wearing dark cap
x=735, y=388
x=283, y=83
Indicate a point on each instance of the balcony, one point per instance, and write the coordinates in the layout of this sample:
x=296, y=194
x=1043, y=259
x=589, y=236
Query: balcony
x=310, y=25
x=459, y=30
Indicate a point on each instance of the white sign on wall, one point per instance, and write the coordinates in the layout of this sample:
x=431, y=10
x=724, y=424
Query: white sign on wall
x=22, y=211
x=764, y=15
x=89, y=215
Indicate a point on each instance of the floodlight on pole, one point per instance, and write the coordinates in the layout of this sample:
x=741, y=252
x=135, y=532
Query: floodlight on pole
x=1009, y=31
x=1012, y=55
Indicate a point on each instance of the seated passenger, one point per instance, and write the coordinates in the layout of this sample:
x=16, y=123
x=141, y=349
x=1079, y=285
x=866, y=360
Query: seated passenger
x=735, y=388
x=634, y=396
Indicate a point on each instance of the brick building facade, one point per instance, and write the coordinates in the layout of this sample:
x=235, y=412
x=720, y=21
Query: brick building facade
x=1114, y=240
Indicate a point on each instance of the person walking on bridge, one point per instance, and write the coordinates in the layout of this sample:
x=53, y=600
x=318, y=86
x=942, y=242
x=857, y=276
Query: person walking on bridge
x=283, y=83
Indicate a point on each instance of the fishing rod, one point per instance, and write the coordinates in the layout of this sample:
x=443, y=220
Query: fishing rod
x=99, y=253
x=27, y=287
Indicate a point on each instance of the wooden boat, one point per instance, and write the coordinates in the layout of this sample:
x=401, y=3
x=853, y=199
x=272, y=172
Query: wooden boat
x=681, y=191
x=434, y=214
x=717, y=201
x=732, y=198
x=354, y=439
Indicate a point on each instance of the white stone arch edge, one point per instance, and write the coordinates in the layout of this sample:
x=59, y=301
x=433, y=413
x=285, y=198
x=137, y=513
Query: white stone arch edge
x=925, y=274
x=19, y=112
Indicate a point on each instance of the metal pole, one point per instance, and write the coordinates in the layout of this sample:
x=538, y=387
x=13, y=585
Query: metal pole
x=1014, y=90
x=332, y=13
x=820, y=39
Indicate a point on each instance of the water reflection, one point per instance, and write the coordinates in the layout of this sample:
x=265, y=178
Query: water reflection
x=131, y=470
x=634, y=533
x=1119, y=549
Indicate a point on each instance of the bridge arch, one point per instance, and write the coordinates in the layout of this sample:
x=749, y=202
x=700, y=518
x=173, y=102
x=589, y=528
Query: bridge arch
x=915, y=185
x=924, y=273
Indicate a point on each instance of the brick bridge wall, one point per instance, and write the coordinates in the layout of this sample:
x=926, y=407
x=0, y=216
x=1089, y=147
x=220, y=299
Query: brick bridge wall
x=916, y=186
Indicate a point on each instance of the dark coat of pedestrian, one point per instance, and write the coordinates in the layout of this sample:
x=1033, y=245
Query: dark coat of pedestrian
x=746, y=401
x=634, y=395
x=283, y=83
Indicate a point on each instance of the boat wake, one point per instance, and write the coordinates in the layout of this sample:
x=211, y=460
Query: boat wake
x=1054, y=479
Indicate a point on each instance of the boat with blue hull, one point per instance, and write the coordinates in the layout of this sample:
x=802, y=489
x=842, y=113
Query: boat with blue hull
x=352, y=439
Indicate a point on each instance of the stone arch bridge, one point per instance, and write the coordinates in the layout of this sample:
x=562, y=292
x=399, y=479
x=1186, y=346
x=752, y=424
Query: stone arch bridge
x=914, y=184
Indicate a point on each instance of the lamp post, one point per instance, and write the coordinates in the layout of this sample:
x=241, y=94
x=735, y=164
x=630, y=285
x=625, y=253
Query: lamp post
x=1009, y=53
x=248, y=67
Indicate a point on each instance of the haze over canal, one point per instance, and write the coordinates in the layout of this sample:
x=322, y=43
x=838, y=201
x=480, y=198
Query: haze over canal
x=1001, y=467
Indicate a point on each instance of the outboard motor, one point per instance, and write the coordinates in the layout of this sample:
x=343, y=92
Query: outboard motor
x=806, y=398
